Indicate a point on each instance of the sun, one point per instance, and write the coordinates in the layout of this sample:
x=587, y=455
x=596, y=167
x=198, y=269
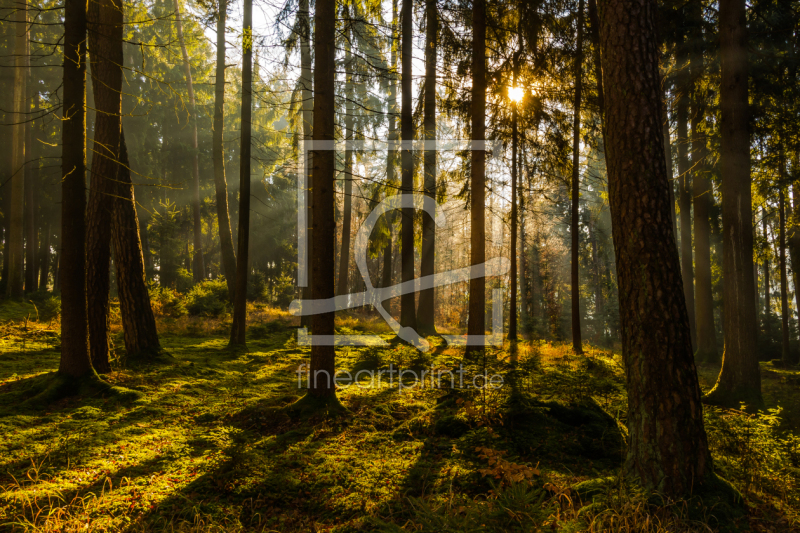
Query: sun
x=516, y=93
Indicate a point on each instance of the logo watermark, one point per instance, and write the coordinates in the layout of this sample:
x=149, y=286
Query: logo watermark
x=375, y=296
x=403, y=379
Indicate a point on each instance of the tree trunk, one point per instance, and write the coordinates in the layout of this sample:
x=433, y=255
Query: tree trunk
x=476, y=324
x=767, y=289
x=138, y=321
x=426, y=310
x=105, y=48
x=685, y=193
x=703, y=200
x=512, y=321
x=239, y=326
x=323, y=356
x=347, y=211
x=794, y=244
x=575, y=194
x=31, y=196
x=44, y=254
x=670, y=171
x=69, y=277
x=786, y=352
x=408, y=315
x=667, y=446
x=308, y=111
x=14, y=285
x=198, y=266
x=740, y=377
x=227, y=254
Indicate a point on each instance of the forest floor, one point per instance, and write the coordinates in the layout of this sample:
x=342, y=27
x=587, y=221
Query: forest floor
x=210, y=446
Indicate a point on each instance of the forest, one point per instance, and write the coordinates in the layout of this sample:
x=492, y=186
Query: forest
x=397, y=265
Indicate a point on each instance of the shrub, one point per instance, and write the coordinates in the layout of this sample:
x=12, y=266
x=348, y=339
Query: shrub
x=166, y=302
x=208, y=298
x=47, y=305
x=283, y=291
x=184, y=281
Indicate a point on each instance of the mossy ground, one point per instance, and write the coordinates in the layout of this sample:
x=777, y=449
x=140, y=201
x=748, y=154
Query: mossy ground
x=211, y=446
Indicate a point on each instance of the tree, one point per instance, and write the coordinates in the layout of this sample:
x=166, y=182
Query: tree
x=31, y=193
x=347, y=211
x=138, y=322
x=105, y=47
x=408, y=315
x=476, y=322
x=575, y=189
x=427, y=302
x=740, y=377
x=322, y=386
x=239, y=326
x=307, y=95
x=685, y=194
x=198, y=265
x=706, y=347
x=228, y=256
x=20, y=117
x=786, y=352
x=75, y=361
x=667, y=446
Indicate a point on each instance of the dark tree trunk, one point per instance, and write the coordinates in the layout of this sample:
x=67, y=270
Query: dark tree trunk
x=684, y=188
x=512, y=323
x=408, y=314
x=347, y=211
x=706, y=347
x=670, y=172
x=308, y=111
x=794, y=243
x=239, y=326
x=69, y=276
x=667, y=446
x=138, y=321
x=426, y=310
x=323, y=190
x=105, y=47
x=476, y=324
x=575, y=190
x=227, y=254
x=786, y=352
x=44, y=254
x=767, y=283
x=740, y=377
x=31, y=194
x=16, y=259
x=198, y=265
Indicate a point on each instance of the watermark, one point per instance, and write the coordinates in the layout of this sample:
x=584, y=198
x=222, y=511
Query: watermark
x=403, y=379
x=375, y=296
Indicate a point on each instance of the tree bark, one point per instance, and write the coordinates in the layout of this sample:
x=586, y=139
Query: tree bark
x=44, y=254
x=408, y=314
x=575, y=194
x=794, y=243
x=347, y=211
x=426, y=310
x=668, y=449
x=75, y=361
x=767, y=284
x=740, y=377
x=14, y=285
x=308, y=111
x=227, y=254
x=476, y=323
x=786, y=352
x=138, y=321
x=512, y=321
x=105, y=48
x=239, y=326
x=31, y=196
x=323, y=357
x=684, y=188
x=198, y=265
